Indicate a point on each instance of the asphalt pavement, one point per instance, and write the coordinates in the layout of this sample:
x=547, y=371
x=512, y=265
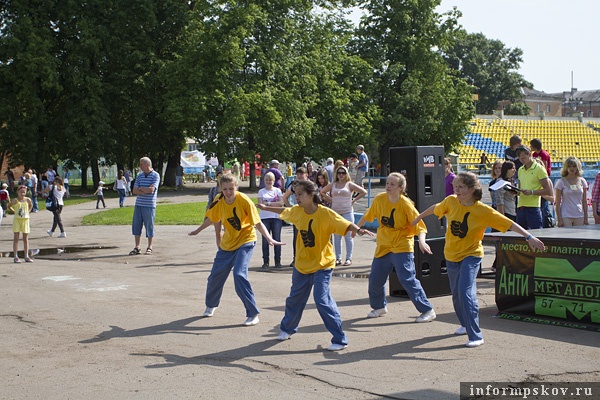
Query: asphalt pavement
x=88, y=321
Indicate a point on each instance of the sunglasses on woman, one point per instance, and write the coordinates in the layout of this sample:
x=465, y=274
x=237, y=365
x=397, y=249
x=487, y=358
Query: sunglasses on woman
x=341, y=172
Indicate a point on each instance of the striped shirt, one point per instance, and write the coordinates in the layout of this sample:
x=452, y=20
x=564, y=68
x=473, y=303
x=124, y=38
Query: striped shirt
x=144, y=181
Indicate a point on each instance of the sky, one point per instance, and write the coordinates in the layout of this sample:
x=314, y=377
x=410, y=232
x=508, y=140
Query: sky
x=557, y=37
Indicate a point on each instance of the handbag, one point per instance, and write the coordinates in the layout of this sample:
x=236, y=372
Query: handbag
x=51, y=202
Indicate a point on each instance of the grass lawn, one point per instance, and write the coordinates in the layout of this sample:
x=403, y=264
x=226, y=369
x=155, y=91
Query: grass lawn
x=166, y=214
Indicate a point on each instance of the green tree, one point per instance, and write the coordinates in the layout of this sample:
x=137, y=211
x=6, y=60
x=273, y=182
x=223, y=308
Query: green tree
x=29, y=82
x=85, y=81
x=267, y=78
x=343, y=113
x=518, y=108
x=421, y=100
x=490, y=67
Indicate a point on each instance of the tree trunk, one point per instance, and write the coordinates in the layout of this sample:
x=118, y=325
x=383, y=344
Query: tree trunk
x=158, y=165
x=84, y=167
x=384, y=158
x=95, y=172
x=171, y=171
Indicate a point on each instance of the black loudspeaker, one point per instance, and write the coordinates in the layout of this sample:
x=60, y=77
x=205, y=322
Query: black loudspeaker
x=430, y=270
x=423, y=167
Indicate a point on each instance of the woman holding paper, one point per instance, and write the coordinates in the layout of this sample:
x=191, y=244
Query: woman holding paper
x=505, y=196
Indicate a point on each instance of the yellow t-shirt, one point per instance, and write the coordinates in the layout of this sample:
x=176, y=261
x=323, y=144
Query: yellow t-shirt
x=238, y=219
x=314, y=250
x=466, y=227
x=395, y=234
x=529, y=179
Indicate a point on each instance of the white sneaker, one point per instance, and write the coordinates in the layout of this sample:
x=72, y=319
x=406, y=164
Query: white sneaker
x=461, y=331
x=251, y=321
x=474, y=343
x=209, y=312
x=63, y=235
x=377, y=313
x=50, y=233
x=337, y=347
x=427, y=316
x=283, y=336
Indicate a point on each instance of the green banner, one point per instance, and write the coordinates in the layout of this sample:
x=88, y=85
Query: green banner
x=559, y=286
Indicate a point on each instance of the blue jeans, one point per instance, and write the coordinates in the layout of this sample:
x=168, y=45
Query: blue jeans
x=529, y=217
x=464, y=293
x=34, y=201
x=326, y=306
x=337, y=240
x=224, y=261
x=404, y=264
x=122, y=195
x=273, y=226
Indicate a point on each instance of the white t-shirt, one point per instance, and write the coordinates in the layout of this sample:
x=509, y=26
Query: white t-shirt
x=58, y=194
x=570, y=205
x=269, y=196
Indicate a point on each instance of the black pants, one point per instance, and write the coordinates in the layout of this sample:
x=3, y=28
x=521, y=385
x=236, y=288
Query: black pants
x=57, y=220
x=100, y=199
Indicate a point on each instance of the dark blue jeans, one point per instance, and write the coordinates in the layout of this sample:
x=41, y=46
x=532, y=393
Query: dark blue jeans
x=122, y=196
x=273, y=226
x=529, y=217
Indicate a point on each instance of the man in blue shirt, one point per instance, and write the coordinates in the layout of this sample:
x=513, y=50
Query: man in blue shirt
x=363, y=164
x=146, y=187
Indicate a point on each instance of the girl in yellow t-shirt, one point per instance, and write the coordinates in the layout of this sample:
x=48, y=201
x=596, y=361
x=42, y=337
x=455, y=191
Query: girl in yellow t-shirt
x=237, y=213
x=467, y=219
x=395, y=248
x=21, y=206
x=315, y=261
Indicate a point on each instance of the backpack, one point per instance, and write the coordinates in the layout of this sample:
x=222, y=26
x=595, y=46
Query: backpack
x=51, y=202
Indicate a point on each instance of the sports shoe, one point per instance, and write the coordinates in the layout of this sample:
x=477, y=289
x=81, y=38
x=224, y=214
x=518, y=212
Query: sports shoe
x=50, y=233
x=283, y=336
x=427, y=316
x=474, y=343
x=265, y=265
x=338, y=262
x=278, y=265
x=251, y=321
x=377, y=313
x=63, y=235
x=337, y=347
x=461, y=331
x=209, y=312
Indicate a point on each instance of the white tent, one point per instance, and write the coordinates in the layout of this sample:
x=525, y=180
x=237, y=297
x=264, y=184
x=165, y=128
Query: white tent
x=194, y=162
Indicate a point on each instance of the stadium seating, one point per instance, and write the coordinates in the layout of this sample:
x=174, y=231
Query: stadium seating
x=561, y=138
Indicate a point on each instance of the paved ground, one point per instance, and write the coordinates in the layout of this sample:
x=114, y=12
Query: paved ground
x=99, y=324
